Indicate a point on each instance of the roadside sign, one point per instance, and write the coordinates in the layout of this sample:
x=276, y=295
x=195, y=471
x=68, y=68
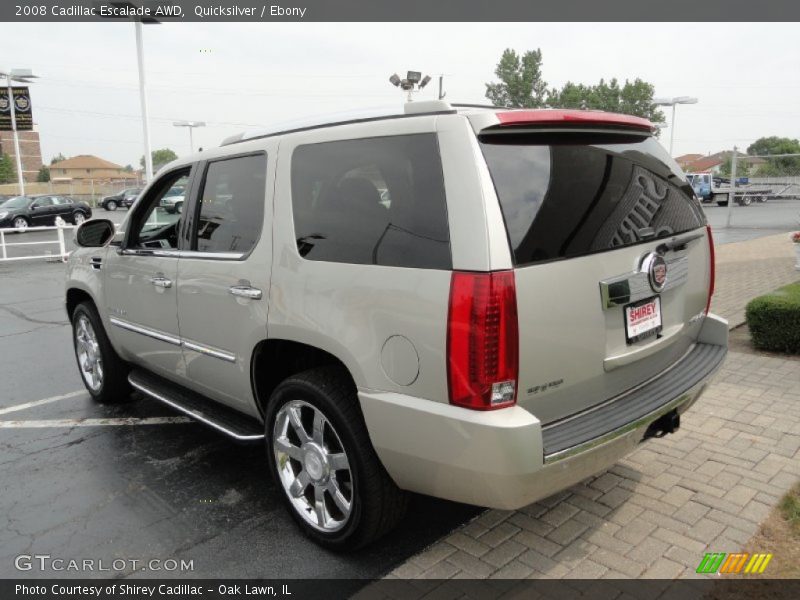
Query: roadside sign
x=22, y=109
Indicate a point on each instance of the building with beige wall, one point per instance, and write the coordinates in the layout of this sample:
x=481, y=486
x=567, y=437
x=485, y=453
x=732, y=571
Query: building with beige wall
x=87, y=167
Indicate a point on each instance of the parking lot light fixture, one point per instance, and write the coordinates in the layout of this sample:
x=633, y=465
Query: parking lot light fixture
x=19, y=76
x=673, y=102
x=190, y=125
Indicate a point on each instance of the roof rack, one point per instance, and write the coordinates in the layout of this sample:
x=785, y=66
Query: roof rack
x=410, y=109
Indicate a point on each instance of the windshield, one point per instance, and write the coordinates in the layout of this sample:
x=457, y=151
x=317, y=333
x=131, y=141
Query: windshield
x=565, y=195
x=17, y=202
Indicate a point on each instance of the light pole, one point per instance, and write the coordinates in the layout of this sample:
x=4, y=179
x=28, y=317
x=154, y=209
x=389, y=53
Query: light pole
x=191, y=125
x=22, y=76
x=148, y=155
x=673, y=102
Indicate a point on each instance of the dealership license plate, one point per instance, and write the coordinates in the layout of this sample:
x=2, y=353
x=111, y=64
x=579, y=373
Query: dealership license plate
x=642, y=319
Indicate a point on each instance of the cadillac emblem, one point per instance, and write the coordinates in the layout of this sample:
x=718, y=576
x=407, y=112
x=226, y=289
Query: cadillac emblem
x=656, y=268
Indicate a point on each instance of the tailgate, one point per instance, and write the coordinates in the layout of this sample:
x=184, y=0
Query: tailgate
x=611, y=260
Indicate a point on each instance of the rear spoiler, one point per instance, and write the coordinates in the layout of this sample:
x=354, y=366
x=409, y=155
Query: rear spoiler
x=572, y=117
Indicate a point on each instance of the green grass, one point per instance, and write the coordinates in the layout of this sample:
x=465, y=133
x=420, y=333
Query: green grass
x=774, y=320
x=790, y=509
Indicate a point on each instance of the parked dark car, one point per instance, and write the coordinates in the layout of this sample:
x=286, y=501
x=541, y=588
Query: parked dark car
x=124, y=198
x=41, y=210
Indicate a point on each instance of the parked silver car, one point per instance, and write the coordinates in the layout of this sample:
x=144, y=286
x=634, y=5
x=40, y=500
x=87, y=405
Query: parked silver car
x=484, y=305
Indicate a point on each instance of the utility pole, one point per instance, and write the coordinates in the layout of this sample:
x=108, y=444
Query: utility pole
x=441, y=93
x=20, y=177
x=732, y=194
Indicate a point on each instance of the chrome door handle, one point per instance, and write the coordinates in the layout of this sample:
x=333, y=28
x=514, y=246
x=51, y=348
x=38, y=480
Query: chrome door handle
x=161, y=282
x=245, y=291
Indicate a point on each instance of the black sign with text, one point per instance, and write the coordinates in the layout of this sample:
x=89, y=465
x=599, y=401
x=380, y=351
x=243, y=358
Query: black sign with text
x=22, y=109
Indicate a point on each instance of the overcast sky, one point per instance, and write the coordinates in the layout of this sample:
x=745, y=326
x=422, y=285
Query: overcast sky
x=236, y=76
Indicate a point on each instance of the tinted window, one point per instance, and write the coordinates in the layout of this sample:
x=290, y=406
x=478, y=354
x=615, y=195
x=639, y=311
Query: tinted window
x=153, y=227
x=41, y=202
x=232, y=204
x=62, y=200
x=569, y=197
x=372, y=201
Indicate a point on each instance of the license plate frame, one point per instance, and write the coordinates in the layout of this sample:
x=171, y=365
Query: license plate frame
x=647, y=327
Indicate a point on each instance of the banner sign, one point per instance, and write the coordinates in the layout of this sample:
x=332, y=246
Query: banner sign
x=22, y=109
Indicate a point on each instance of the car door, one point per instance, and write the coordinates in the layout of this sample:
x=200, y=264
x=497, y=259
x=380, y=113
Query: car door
x=42, y=212
x=62, y=207
x=140, y=283
x=223, y=278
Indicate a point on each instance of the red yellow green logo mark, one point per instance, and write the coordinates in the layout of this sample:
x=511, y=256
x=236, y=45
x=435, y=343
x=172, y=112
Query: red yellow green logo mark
x=738, y=562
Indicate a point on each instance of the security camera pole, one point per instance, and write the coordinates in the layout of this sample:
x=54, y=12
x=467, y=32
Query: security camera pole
x=413, y=80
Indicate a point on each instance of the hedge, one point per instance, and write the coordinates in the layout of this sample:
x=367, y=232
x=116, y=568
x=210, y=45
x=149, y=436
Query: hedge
x=774, y=320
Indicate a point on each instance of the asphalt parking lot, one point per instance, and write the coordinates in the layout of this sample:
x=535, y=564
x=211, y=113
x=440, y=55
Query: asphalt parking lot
x=145, y=483
x=134, y=487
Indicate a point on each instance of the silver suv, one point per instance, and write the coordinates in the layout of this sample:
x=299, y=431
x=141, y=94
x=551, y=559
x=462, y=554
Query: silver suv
x=484, y=305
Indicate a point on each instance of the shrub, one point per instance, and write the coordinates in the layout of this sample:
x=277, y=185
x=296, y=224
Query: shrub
x=774, y=320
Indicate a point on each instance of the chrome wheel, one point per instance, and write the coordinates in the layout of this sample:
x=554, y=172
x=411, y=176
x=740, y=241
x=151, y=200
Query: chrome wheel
x=78, y=218
x=111, y=205
x=312, y=466
x=87, y=348
x=20, y=224
x=179, y=207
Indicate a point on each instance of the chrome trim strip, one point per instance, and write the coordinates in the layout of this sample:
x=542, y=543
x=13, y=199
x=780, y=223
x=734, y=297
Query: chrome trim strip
x=195, y=415
x=634, y=286
x=212, y=255
x=221, y=354
x=164, y=337
x=150, y=252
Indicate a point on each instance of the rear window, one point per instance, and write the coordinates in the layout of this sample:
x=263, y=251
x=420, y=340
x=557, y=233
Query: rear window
x=371, y=201
x=574, y=194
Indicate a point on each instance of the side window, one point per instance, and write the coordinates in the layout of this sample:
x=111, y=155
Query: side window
x=43, y=201
x=155, y=228
x=372, y=201
x=232, y=204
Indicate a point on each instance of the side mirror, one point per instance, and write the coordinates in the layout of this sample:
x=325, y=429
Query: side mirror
x=95, y=233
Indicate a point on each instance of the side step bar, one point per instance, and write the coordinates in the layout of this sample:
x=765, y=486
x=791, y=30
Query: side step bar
x=226, y=420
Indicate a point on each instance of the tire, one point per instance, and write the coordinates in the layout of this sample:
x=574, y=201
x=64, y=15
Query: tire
x=21, y=224
x=78, y=218
x=179, y=207
x=369, y=504
x=746, y=201
x=111, y=205
x=112, y=384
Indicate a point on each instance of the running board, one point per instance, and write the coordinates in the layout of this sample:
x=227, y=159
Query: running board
x=226, y=420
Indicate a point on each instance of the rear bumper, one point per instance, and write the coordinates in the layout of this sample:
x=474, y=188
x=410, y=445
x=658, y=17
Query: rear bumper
x=506, y=459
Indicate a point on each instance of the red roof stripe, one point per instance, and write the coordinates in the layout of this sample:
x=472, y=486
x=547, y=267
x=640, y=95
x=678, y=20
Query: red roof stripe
x=550, y=116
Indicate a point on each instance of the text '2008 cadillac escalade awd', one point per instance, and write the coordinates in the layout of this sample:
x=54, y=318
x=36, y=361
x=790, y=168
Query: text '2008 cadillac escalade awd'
x=484, y=305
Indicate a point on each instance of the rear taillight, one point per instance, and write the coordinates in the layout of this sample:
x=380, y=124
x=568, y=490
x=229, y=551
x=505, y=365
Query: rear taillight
x=482, y=340
x=712, y=274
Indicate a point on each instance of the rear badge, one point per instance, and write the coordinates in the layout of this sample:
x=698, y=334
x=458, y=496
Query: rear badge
x=656, y=268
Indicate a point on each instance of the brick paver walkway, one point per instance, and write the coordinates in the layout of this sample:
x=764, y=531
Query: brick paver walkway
x=704, y=488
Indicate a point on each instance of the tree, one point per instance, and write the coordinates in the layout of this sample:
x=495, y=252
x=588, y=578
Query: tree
x=58, y=158
x=521, y=84
x=8, y=173
x=633, y=98
x=160, y=158
x=781, y=165
x=742, y=166
x=128, y=168
x=44, y=174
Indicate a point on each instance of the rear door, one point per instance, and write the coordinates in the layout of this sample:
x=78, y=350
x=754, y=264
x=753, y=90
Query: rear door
x=611, y=261
x=42, y=211
x=223, y=278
